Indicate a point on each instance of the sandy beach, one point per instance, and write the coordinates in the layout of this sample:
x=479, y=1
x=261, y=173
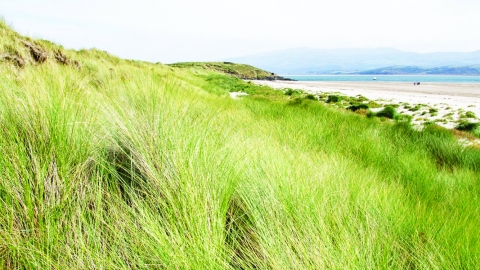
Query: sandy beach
x=451, y=100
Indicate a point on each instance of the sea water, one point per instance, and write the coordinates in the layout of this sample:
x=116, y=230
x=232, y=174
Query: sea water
x=387, y=78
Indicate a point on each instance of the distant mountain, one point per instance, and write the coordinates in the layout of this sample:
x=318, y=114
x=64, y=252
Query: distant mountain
x=447, y=70
x=320, y=61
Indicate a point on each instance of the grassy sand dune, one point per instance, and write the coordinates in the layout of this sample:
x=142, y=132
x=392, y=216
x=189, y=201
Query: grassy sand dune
x=241, y=71
x=111, y=163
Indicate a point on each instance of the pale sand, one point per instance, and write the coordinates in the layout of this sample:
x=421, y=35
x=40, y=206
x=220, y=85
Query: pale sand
x=236, y=95
x=440, y=96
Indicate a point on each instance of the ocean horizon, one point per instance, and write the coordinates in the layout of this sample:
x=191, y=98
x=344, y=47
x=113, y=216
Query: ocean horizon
x=387, y=78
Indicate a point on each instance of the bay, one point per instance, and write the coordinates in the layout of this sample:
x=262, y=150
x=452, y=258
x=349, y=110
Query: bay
x=387, y=78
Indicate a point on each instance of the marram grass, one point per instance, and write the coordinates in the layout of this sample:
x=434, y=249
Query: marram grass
x=121, y=165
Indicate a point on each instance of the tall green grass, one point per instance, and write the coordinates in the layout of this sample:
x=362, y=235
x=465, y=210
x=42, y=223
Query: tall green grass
x=124, y=164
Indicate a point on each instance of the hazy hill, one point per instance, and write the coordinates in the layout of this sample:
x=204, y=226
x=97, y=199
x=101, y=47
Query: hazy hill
x=447, y=70
x=306, y=60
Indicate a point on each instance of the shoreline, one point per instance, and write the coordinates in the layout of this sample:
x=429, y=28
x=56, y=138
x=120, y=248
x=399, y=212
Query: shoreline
x=379, y=75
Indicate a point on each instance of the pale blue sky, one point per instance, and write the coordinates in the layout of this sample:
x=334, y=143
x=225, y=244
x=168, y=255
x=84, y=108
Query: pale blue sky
x=188, y=30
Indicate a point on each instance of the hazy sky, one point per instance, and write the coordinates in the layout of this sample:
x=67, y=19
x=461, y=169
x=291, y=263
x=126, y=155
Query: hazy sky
x=192, y=30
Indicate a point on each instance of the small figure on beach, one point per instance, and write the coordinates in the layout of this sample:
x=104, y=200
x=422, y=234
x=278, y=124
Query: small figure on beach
x=416, y=83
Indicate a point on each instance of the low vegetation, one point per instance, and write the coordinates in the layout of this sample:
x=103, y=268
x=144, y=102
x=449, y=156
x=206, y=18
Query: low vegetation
x=472, y=127
x=388, y=112
x=470, y=114
x=115, y=164
x=334, y=99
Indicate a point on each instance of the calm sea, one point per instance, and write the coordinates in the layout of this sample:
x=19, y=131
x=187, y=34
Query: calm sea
x=387, y=78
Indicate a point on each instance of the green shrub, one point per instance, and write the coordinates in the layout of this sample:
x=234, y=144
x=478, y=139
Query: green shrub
x=403, y=118
x=311, y=97
x=334, y=99
x=354, y=100
x=470, y=114
x=361, y=98
x=388, y=112
x=467, y=126
x=441, y=121
x=433, y=110
x=295, y=102
x=429, y=123
x=354, y=108
x=362, y=111
x=373, y=104
x=290, y=92
x=416, y=108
